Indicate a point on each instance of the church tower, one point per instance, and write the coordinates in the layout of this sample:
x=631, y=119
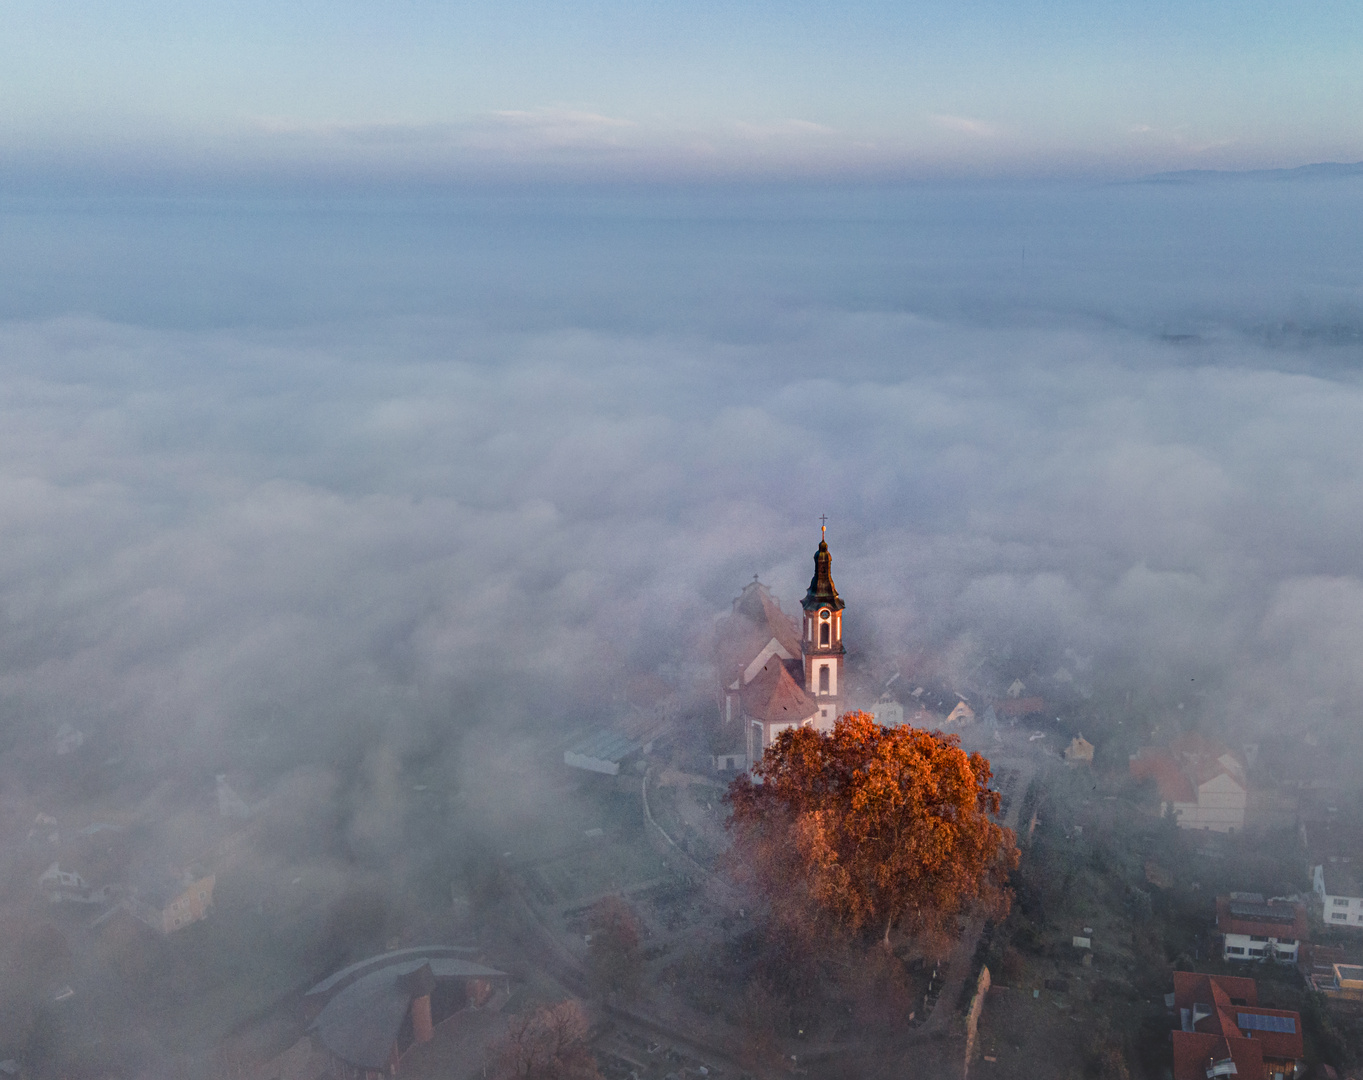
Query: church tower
x=822, y=642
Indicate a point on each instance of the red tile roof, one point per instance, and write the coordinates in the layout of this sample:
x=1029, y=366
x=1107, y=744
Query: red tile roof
x=1193, y=747
x=1196, y=1052
x=1226, y=1001
x=741, y=635
x=774, y=697
x=1230, y=923
x=759, y=607
x=1191, y=987
x=1159, y=765
x=1204, y=769
x=1019, y=706
x=1189, y=762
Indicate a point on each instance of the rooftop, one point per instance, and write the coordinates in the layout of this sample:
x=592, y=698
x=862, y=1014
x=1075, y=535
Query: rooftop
x=369, y=1001
x=1221, y=1020
x=1276, y=919
x=756, y=619
x=1343, y=876
x=774, y=696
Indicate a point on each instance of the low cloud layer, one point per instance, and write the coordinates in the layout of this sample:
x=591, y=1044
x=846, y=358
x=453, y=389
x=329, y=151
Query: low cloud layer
x=291, y=530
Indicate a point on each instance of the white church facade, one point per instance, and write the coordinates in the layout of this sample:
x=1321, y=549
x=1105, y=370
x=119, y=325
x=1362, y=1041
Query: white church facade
x=775, y=673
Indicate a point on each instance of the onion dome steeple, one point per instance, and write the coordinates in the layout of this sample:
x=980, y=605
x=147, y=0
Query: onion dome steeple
x=822, y=639
x=822, y=591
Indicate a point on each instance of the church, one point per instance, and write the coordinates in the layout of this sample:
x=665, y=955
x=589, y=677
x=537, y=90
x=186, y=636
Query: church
x=775, y=673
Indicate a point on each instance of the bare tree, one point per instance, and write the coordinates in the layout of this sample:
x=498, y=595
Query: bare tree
x=614, y=954
x=549, y=1044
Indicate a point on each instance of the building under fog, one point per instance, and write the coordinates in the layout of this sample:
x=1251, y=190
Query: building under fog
x=367, y=1016
x=774, y=673
x=1252, y=928
x=1223, y=1032
x=1200, y=782
x=1335, y=863
x=169, y=901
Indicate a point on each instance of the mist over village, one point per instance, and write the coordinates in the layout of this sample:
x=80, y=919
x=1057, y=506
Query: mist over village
x=680, y=545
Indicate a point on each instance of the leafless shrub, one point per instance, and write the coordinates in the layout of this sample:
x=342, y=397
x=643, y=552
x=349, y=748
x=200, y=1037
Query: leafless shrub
x=549, y=1044
x=614, y=953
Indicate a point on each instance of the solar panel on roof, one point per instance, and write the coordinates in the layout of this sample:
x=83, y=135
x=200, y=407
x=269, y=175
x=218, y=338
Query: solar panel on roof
x=1263, y=912
x=1259, y=1022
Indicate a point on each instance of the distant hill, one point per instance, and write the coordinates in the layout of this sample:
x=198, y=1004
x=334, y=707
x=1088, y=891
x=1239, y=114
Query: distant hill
x=1324, y=170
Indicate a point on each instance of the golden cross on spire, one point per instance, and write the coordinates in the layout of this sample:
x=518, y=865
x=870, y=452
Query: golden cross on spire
x=823, y=535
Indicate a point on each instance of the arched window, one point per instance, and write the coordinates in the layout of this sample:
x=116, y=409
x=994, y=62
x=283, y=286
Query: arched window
x=824, y=634
x=823, y=678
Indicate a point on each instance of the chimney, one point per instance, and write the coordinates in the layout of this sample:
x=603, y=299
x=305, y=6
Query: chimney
x=419, y=983
x=422, y=1030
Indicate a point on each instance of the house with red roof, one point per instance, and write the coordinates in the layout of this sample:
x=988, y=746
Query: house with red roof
x=1223, y=1032
x=774, y=673
x=1200, y=781
x=1021, y=706
x=1252, y=928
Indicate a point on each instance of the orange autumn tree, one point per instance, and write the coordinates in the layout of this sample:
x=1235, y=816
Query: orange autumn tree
x=870, y=828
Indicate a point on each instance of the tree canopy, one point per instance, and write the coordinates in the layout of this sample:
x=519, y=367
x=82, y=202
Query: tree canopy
x=870, y=828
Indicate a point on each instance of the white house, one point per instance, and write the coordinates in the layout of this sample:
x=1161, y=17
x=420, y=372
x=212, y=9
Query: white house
x=1341, y=897
x=1253, y=928
x=1220, y=799
x=887, y=711
x=1336, y=867
x=67, y=885
x=1201, y=782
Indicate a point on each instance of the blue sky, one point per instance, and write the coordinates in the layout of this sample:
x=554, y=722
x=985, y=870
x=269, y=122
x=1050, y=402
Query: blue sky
x=604, y=89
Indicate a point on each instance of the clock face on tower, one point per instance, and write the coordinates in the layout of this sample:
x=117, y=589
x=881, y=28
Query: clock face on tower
x=824, y=613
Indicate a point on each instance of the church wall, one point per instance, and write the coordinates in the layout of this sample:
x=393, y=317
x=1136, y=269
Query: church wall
x=820, y=642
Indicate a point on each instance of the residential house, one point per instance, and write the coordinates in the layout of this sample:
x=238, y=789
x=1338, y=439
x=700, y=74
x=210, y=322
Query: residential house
x=1252, y=928
x=1014, y=707
x=1223, y=1032
x=935, y=706
x=60, y=885
x=1343, y=982
x=1200, y=781
x=368, y=1015
x=168, y=902
x=1316, y=958
x=887, y=711
x=1335, y=862
x=961, y=712
x=1079, y=751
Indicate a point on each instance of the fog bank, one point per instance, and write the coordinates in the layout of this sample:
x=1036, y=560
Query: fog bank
x=324, y=474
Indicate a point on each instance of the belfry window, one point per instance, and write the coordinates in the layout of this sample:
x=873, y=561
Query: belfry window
x=824, y=637
x=823, y=678
x=825, y=628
